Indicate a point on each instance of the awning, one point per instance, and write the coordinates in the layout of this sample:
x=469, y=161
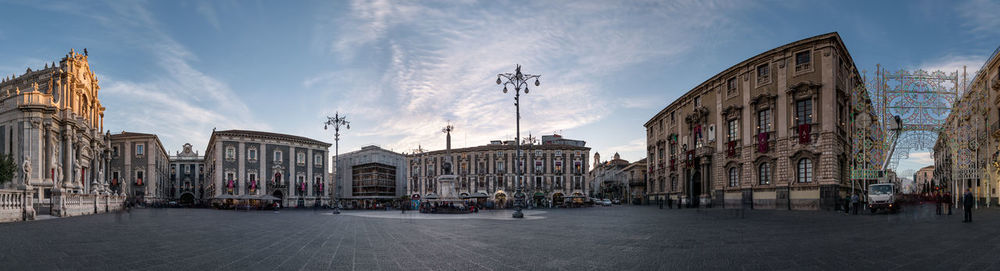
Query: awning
x=574, y=197
x=431, y=196
x=539, y=195
x=225, y=196
x=479, y=195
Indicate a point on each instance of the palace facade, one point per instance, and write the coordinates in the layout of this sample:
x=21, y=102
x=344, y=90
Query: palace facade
x=187, y=176
x=242, y=164
x=51, y=123
x=769, y=132
x=967, y=151
x=139, y=167
x=549, y=173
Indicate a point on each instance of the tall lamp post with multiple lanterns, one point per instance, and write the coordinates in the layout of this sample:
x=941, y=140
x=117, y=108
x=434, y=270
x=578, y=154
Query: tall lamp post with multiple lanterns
x=336, y=121
x=519, y=81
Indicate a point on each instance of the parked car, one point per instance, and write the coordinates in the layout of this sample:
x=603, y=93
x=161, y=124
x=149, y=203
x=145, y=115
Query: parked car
x=606, y=202
x=616, y=201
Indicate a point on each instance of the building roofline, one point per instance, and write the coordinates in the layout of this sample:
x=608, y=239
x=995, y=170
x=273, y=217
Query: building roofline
x=832, y=35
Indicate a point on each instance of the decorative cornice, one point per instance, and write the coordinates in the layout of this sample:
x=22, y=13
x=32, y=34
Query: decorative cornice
x=803, y=86
x=763, y=98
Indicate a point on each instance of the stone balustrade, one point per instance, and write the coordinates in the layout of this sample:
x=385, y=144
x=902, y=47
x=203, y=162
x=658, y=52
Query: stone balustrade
x=11, y=205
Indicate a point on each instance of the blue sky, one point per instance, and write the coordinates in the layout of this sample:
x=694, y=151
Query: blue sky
x=401, y=70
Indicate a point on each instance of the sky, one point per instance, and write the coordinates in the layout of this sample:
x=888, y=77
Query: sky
x=402, y=70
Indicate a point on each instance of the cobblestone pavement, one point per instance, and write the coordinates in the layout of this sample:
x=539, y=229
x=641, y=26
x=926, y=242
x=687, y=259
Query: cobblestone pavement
x=598, y=238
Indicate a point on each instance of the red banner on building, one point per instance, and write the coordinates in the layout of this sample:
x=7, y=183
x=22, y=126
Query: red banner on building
x=805, y=133
x=762, y=142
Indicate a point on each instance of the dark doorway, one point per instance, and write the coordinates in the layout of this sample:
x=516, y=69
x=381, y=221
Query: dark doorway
x=187, y=199
x=695, y=197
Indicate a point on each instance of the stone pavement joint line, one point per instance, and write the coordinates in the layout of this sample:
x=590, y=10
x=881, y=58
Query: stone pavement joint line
x=599, y=238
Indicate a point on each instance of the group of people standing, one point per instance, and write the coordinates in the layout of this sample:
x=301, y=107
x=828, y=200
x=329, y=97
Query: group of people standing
x=944, y=200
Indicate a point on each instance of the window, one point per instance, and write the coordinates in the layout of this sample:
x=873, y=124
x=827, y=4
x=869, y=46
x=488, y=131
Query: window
x=538, y=181
x=318, y=160
x=252, y=154
x=300, y=158
x=661, y=125
x=500, y=167
x=277, y=156
x=558, y=182
x=230, y=153
x=733, y=177
x=764, y=173
x=731, y=86
x=805, y=170
x=115, y=151
x=671, y=117
x=187, y=168
x=673, y=183
x=558, y=153
x=803, y=60
x=558, y=167
x=803, y=112
x=140, y=149
x=763, y=74
x=764, y=121
x=697, y=102
x=731, y=130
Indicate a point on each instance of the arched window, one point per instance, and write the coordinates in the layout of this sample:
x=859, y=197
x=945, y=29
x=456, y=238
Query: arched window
x=805, y=170
x=764, y=173
x=733, y=177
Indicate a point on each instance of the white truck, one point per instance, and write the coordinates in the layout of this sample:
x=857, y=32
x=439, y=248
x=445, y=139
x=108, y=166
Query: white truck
x=882, y=196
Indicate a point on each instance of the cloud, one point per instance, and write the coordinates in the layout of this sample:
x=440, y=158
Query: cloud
x=178, y=102
x=635, y=145
x=205, y=9
x=441, y=62
x=953, y=63
x=980, y=16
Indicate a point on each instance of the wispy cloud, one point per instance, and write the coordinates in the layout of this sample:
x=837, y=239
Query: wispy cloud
x=207, y=11
x=442, y=61
x=955, y=63
x=980, y=16
x=179, y=102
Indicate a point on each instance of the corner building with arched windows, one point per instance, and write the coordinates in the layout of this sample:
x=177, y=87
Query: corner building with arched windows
x=249, y=165
x=770, y=132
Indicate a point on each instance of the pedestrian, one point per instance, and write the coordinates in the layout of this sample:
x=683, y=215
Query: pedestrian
x=670, y=202
x=938, y=201
x=947, y=201
x=854, y=203
x=847, y=204
x=660, y=201
x=969, y=202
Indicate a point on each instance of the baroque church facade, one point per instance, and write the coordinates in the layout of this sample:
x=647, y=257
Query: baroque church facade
x=51, y=123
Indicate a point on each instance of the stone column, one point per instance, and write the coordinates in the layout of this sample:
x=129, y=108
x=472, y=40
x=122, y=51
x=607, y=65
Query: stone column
x=309, y=172
x=241, y=174
x=67, y=164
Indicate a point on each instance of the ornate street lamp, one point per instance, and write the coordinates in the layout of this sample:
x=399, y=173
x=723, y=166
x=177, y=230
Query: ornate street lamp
x=518, y=81
x=336, y=121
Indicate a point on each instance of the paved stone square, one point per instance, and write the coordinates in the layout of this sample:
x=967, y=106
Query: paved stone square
x=598, y=238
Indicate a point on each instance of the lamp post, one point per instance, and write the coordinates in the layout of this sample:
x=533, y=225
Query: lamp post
x=336, y=121
x=518, y=81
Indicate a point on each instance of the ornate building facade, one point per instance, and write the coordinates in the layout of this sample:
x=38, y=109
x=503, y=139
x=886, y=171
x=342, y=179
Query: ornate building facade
x=967, y=151
x=549, y=173
x=242, y=164
x=770, y=132
x=187, y=176
x=139, y=167
x=51, y=124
